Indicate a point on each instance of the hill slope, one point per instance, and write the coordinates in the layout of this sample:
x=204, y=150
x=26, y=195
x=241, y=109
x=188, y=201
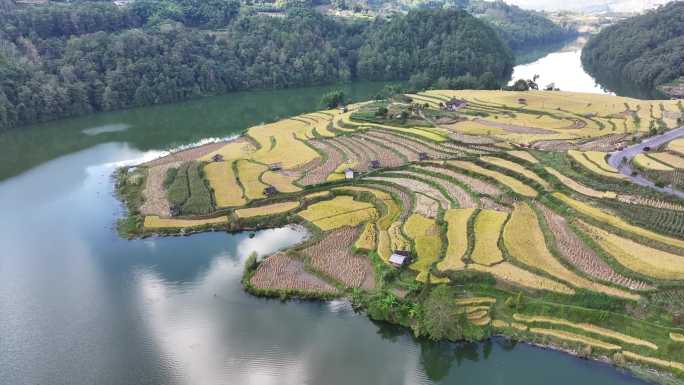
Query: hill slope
x=646, y=50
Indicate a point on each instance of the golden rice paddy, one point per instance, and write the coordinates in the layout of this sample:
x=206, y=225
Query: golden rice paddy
x=512, y=183
x=227, y=192
x=512, y=166
x=646, y=162
x=339, y=212
x=637, y=257
x=428, y=244
x=587, y=327
x=525, y=242
x=616, y=221
x=249, y=174
x=488, y=225
x=457, y=237
x=155, y=222
x=272, y=209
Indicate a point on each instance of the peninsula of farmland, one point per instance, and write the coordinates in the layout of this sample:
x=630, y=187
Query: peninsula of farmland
x=457, y=214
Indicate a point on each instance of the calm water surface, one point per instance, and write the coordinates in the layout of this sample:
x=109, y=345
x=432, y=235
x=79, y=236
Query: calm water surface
x=78, y=305
x=562, y=67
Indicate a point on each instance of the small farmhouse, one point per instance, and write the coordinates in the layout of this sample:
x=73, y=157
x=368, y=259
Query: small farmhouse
x=348, y=173
x=400, y=258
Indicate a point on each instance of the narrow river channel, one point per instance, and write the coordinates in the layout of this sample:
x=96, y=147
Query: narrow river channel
x=79, y=305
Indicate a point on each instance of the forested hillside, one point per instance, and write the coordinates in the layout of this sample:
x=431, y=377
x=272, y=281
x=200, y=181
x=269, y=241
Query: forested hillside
x=646, y=50
x=67, y=59
x=451, y=47
x=519, y=28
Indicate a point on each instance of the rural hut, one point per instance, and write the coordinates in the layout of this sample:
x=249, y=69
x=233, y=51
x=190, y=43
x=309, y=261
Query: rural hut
x=348, y=173
x=217, y=158
x=270, y=191
x=375, y=164
x=454, y=104
x=423, y=156
x=275, y=166
x=400, y=258
x=522, y=101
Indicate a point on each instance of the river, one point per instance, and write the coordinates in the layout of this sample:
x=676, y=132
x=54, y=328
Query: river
x=78, y=305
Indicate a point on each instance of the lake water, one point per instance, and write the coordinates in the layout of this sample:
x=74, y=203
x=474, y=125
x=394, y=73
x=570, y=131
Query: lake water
x=78, y=305
x=563, y=67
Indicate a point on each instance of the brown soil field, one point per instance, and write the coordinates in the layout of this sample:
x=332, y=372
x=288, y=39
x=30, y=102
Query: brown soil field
x=361, y=156
x=280, y=271
x=606, y=143
x=558, y=145
x=581, y=256
x=188, y=154
x=404, y=147
x=417, y=186
x=349, y=152
x=409, y=143
x=333, y=256
x=154, y=193
x=490, y=204
x=515, y=128
x=387, y=156
x=321, y=172
x=404, y=198
x=475, y=184
x=455, y=192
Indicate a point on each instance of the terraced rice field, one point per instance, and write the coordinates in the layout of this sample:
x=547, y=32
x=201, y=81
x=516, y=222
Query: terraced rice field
x=669, y=159
x=514, y=184
x=517, y=276
x=283, y=272
x=581, y=256
x=587, y=327
x=424, y=203
x=578, y=187
x=488, y=225
x=476, y=185
x=596, y=163
x=339, y=212
x=227, y=192
x=572, y=337
x=334, y=158
x=529, y=247
x=637, y=257
x=539, y=222
x=524, y=155
x=646, y=162
x=676, y=146
x=457, y=238
x=512, y=166
x=333, y=257
x=249, y=174
x=281, y=182
x=615, y=221
x=391, y=209
x=272, y=209
x=155, y=222
x=425, y=233
x=367, y=239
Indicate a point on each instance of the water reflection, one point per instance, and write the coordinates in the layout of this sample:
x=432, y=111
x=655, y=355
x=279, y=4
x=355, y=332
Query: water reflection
x=564, y=68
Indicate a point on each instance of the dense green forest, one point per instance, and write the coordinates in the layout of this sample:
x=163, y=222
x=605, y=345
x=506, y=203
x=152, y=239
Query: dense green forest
x=646, y=50
x=62, y=59
x=519, y=28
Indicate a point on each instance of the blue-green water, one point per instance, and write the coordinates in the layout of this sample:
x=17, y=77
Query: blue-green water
x=78, y=305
